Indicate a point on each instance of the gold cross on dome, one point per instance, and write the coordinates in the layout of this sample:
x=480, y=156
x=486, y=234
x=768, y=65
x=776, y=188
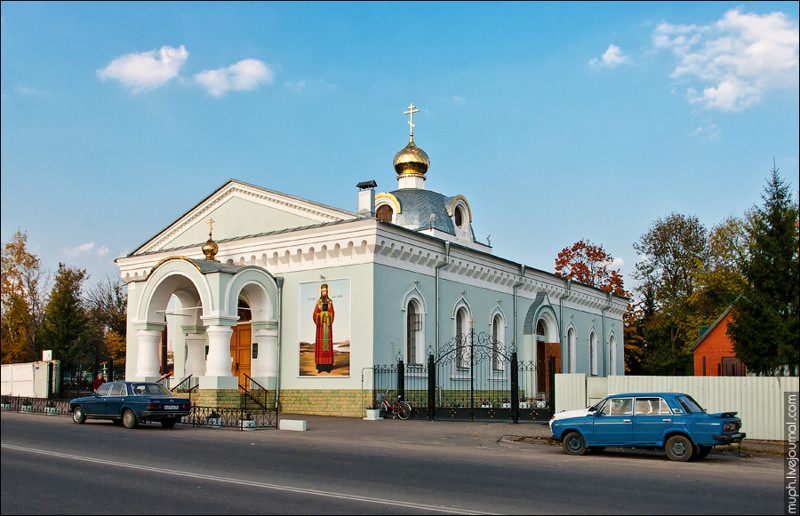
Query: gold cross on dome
x=210, y=225
x=411, y=112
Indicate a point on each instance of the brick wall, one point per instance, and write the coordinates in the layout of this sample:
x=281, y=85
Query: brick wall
x=324, y=402
x=715, y=345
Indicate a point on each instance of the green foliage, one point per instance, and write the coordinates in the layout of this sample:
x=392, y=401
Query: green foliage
x=765, y=325
x=689, y=276
x=66, y=329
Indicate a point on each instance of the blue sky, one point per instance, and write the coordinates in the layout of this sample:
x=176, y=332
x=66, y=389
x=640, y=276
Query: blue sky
x=557, y=121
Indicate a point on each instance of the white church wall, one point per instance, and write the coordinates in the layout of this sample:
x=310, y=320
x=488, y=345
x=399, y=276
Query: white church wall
x=360, y=279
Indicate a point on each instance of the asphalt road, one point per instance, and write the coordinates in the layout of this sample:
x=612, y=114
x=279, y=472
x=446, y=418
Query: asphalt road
x=349, y=466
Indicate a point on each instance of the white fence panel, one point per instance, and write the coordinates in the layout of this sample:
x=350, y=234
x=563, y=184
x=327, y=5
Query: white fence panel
x=570, y=391
x=758, y=400
x=17, y=379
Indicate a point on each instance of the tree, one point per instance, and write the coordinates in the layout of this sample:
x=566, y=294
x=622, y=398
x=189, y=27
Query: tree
x=764, y=328
x=22, y=301
x=108, y=302
x=590, y=264
x=674, y=250
x=66, y=329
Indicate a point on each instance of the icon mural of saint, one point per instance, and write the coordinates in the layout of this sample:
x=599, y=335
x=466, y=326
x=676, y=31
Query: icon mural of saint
x=323, y=319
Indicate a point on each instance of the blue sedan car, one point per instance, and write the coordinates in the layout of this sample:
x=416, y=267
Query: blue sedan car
x=668, y=420
x=131, y=403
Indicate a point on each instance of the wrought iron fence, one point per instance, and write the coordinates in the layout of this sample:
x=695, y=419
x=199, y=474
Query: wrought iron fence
x=472, y=377
x=219, y=417
x=40, y=405
x=212, y=417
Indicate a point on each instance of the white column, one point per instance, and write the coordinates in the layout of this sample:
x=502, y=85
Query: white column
x=147, y=363
x=267, y=362
x=195, y=354
x=219, y=351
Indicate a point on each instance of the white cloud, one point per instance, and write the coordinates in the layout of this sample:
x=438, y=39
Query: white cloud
x=87, y=249
x=736, y=61
x=616, y=263
x=147, y=70
x=611, y=58
x=247, y=74
x=709, y=132
x=80, y=250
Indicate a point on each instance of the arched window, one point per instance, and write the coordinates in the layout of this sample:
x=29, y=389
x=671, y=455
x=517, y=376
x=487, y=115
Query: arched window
x=413, y=333
x=593, y=352
x=612, y=355
x=384, y=213
x=498, y=335
x=571, y=358
x=463, y=359
x=244, y=312
x=459, y=217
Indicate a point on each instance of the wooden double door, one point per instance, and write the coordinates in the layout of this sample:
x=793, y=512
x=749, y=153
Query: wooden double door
x=545, y=350
x=241, y=352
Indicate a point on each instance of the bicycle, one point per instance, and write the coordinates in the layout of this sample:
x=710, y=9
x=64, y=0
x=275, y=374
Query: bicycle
x=401, y=408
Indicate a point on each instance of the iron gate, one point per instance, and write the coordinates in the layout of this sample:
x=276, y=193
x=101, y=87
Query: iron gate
x=473, y=377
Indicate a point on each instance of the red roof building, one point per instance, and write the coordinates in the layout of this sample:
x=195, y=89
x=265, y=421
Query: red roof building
x=713, y=351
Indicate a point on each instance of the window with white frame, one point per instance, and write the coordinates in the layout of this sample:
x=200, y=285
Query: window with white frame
x=463, y=359
x=571, y=358
x=612, y=355
x=593, y=352
x=498, y=336
x=414, y=340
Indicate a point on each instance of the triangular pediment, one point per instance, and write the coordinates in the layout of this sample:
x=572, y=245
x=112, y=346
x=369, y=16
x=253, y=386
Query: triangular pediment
x=241, y=210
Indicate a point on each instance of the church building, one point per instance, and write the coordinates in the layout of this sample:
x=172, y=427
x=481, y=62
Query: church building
x=306, y=299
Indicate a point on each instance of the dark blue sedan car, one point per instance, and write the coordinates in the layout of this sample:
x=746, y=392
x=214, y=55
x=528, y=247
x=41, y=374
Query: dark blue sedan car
x=131, y=403
x=668, y=420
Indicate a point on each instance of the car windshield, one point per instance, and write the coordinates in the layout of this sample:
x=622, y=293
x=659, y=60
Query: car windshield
x=150, y=389
x=689, y=405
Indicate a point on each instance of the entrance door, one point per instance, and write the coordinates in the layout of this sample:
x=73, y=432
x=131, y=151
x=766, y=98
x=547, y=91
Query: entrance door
x=545, y=350
x=240, y=352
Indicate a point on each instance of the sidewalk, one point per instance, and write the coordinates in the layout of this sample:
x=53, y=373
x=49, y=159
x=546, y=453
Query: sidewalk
x=461, y=433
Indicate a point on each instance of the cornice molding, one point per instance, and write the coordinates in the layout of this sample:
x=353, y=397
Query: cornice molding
x=364, y=241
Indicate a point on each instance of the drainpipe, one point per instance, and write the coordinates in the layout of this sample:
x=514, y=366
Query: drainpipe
x=436, y=290
x=279, y=282
x=568, y=286
x=514, y=308
x=603, y=315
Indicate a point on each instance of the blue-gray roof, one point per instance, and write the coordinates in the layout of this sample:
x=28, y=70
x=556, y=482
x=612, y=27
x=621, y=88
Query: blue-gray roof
x=417, y=206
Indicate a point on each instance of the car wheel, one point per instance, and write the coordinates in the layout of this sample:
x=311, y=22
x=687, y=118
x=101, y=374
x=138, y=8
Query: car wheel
x=78, y=415
x=596, y=449
x=129, y=419
x=679, y=448
x=574, y=444
x=169, y=422
x=702, y=451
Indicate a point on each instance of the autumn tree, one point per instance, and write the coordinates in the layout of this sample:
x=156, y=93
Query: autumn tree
x=765, y=323
x=22, y=300
x=590, y=264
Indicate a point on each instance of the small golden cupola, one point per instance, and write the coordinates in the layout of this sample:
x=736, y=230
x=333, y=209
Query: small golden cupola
x=411, y=163
x=210, y=248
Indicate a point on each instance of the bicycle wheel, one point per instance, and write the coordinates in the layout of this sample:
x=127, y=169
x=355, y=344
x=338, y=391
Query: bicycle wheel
x=404, y=410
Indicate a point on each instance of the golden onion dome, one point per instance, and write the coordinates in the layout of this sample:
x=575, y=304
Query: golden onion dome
x=210, y=249
x=411, y=161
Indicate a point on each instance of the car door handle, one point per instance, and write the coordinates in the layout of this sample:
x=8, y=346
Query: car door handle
x=626, y=420
x=667, y=420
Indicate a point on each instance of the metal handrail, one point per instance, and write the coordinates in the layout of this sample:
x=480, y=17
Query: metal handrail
x=191, y=387
x=246, y=391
